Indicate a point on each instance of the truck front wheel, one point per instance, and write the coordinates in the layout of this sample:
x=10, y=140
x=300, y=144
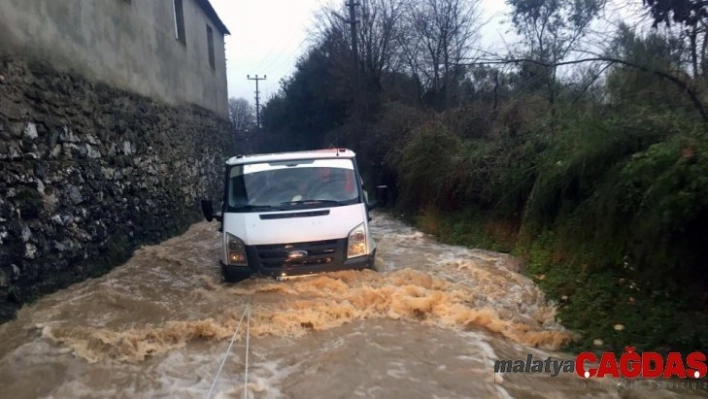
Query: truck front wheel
x=234, y=274
x=372, y=266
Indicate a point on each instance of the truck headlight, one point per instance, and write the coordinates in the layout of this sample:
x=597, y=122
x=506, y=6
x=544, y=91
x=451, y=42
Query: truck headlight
x=357, y=242
x=235, y=251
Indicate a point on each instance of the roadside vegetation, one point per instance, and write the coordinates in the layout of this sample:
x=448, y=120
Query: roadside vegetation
x=580, y=147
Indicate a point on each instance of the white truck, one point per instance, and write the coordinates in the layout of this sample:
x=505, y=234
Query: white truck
x=294, y=214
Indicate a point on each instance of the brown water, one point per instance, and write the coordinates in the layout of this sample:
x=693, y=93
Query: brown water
x=428, y=324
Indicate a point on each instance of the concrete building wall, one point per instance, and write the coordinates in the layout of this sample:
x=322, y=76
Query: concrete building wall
x=129, y=44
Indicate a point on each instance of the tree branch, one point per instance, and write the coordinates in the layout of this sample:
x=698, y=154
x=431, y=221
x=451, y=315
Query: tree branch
x=678, y=82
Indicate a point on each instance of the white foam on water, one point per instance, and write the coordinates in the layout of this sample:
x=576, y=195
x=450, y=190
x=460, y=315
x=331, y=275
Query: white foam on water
x=397, y=369
x=488, y=352
x=503, y=392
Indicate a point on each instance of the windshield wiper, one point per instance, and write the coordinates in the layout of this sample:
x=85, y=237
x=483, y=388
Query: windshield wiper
x=312, y=201
x=251, y=207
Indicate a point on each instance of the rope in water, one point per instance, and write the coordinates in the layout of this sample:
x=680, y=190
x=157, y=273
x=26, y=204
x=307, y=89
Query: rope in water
x=248, y=336
x=226, y=355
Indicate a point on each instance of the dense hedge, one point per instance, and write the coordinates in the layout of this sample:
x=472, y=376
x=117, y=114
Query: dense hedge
x=610, y=211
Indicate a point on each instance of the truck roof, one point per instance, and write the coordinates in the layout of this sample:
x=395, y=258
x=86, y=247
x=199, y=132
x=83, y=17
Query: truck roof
x=284, y=156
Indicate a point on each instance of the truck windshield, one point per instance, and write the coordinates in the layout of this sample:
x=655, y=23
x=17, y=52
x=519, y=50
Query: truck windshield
x=292, y=184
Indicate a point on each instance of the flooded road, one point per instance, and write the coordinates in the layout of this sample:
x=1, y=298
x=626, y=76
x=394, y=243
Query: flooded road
x=428, y=324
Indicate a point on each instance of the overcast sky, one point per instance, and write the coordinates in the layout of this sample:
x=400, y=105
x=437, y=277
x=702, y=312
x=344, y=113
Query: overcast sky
x=267, y=36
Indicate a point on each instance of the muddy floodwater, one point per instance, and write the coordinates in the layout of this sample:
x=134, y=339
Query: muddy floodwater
x=428, y=324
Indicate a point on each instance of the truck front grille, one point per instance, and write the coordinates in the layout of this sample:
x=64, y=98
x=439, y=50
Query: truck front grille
x=297, y=254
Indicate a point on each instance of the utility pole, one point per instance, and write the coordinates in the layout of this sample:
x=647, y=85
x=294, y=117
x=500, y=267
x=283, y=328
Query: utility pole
x=258, y=104
x=352, y=22
x=355, y=51
x=351, y=4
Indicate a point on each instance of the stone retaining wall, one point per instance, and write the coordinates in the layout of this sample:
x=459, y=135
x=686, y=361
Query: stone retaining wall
x=89, y=173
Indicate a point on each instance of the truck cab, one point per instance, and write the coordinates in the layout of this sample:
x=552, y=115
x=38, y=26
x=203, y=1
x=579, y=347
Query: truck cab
x=294, y=214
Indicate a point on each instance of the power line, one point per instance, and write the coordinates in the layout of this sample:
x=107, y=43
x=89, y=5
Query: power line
x=280, y=54
x=281, y=49
x=290, y=57
x=283, y=46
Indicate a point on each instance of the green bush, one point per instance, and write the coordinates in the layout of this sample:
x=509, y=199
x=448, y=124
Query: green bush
x=429, y=169
x=609, y=210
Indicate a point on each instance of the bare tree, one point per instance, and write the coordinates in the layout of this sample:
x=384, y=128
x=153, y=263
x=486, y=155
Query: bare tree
x=427, y=39
x=552, y=29
x=378, y=24
x=241, y=114
x=438, y=37
x=688, y=19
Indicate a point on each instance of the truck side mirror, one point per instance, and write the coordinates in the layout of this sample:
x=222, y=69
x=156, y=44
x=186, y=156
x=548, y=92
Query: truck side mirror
x=208, y=210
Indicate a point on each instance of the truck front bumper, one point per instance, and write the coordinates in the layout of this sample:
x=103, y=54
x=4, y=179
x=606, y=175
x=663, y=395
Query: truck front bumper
x=358, y=263
x=270, y=261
